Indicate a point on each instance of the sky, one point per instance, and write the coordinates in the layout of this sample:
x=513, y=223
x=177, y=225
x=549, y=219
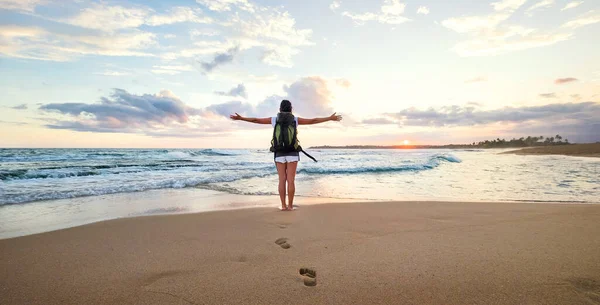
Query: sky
x=79, y=73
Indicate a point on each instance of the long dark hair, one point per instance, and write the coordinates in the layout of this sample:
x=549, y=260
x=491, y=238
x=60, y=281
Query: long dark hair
x=285, y=106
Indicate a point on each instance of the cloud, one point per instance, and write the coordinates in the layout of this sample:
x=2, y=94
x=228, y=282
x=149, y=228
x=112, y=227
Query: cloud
x=178, y=15
x=210, y=33
x=171, y=70
x=508, y=5
x=571, y=5
x=423, y=10
x=269, y=29
x=588, y=18
x=487, y=35
x=487, y=38
x=21, y=5
x=548, y=95
x=478, y=79
x=39, y=44
x=475, y=23
x=576, y=97
x=227, y=5
x=164, y=114
x=20, y=107
x=565, y=80
x=239, y=23
x=378, y=121
x=109, y=18
x=310, y=97
x=123, y=112
x=112, y=73
x=220, y=59
x=391, y=12
x=239, y=90
x=582, y=113
x=342, y=82
x=335, y=5
x=103, y=17
x=541, y=4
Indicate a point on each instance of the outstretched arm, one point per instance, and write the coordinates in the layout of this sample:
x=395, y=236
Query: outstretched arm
x=333, y=117
x=237, y=117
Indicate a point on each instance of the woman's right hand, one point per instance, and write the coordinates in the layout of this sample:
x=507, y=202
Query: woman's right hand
x=235, y=117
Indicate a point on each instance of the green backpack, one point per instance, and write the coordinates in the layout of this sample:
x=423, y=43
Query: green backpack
x=285, y=135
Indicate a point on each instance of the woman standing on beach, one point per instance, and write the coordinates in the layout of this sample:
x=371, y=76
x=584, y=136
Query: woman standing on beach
x=286, y=161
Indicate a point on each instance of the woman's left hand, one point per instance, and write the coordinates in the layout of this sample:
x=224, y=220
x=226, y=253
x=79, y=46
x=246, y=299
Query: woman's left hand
x=335, y=117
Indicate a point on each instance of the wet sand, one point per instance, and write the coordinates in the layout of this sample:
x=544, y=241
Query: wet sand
x=348, y=253
x=580, y=150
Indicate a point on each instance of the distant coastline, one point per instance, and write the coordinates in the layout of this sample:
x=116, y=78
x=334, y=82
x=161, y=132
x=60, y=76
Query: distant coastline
x=449, y=146
x=495, y=143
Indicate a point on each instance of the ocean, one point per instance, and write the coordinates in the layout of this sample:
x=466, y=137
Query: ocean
x=33, y=180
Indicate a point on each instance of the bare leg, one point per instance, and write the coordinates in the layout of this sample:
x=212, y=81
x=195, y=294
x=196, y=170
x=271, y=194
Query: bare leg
x=291, y=183
x=281, y=167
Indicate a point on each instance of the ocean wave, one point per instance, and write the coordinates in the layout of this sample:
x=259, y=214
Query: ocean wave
x=150, y=184
x=25, y=174
x=433, y=162
x=93, y=170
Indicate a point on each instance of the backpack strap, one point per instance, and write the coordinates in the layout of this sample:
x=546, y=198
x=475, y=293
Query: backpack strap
x=302, y=150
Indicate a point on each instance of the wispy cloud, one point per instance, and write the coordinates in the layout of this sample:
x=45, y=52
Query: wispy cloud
x=342, y=82
x=378, y=121
x=171, y=70
x=113, y=73
x=220, y=59
x=20, y=107
x=565, y=80
x=335, y=5
x=571, y=5
x=239, y=90
x=588, y=18
x=125, y=29
x=423, y=10
x=391, y=12
x=548, y=95
x=21, y=5
x=540, y=5
x=487, y=36
x=227, y=5
x=508, y=5
x=39, y=44
x=104, y=17
x=583, y=113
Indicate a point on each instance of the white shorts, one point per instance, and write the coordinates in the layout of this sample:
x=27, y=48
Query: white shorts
x=287, y=159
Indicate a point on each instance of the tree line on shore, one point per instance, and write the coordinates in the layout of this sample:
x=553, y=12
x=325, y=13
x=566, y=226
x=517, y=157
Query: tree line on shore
x=523, y=142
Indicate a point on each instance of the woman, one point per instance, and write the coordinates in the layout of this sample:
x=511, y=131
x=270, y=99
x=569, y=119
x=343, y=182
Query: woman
x=286, y=162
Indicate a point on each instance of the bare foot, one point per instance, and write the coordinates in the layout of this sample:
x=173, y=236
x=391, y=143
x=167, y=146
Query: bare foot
x=290, y=208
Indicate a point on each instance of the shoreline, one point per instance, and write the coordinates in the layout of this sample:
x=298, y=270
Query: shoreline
x=27, y=219
x=363, y=253
x=590, y=150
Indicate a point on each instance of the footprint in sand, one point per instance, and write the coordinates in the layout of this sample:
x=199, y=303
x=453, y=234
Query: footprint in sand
x=282, y=242
x=310, y=276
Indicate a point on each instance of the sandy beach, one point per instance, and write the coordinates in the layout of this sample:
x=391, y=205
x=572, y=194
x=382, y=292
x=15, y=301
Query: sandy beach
x=361, y=253
x=580, y=150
